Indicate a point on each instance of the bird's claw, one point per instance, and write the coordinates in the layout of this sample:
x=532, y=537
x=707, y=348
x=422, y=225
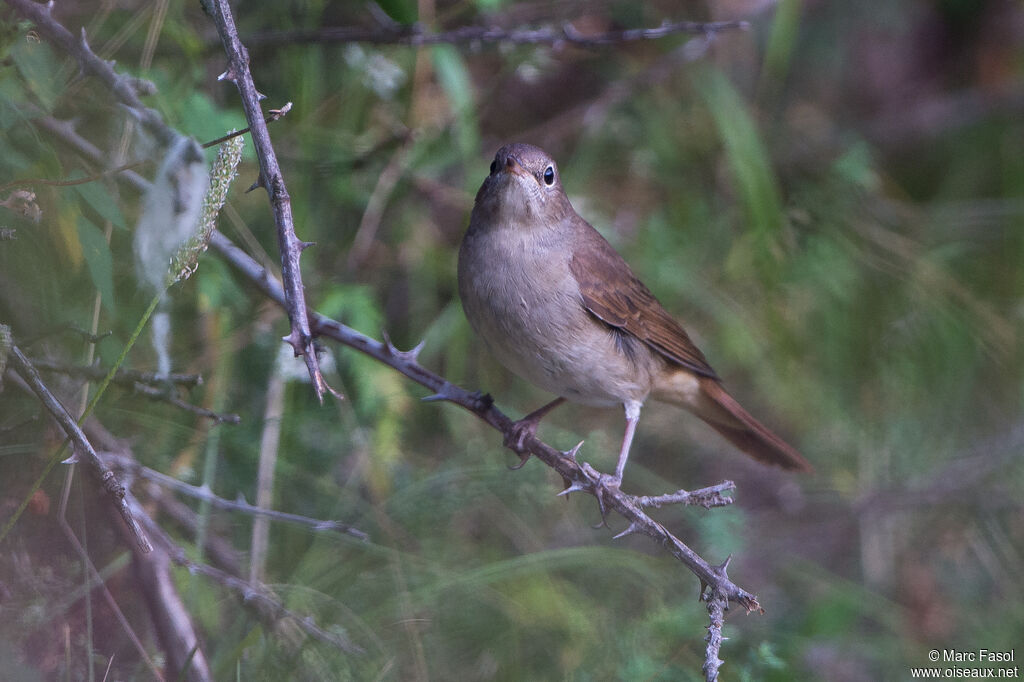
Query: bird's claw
x=515, y=439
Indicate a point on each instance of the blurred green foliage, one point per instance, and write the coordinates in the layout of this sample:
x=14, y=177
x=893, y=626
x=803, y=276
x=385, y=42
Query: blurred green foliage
x=832, y=202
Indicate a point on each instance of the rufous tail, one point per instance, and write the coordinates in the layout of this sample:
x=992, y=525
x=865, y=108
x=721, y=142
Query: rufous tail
x=706, y=398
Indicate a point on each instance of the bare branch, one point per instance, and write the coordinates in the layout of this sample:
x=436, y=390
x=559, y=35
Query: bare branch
x=149, y=384
x=717, y=605
x=97, y=581
x=123, y=87
x=165, y=394
x=271, y=179
x=205, y=494
x=65, y=128
x=263, y=600
x=123, y=377
x=482, y=406
x=260, y=597
x=65, y=131
x=83, y=448
x=416, y=35
x=712, y=496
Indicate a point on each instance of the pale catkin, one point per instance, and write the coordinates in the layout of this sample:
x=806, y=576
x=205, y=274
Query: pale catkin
x=222, y=174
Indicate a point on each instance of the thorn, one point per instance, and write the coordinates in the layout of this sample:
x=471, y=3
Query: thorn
x=294, y=342
x=703, y=589
x=632, y=528
x=260, y=96
x=73, y=459
x=415, y=352
x=387, y=342
x=407, y=355
x=444, y=394
x=722, y=567
x=255, y=185
x=571, y=454
x=305, y=245
x=574, y=487
x=333, y=391
x=599, y=490
x=229, y=75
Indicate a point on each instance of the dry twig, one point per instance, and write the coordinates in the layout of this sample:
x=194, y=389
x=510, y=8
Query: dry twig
x=164, y=600
x=206, y=495
x=123, y=87
x=82, y=447
x=416, y=35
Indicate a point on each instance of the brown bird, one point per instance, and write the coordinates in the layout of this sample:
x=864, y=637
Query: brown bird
x=561, y=308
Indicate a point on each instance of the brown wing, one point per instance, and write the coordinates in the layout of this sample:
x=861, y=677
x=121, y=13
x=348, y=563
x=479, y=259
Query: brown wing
x=614, y=295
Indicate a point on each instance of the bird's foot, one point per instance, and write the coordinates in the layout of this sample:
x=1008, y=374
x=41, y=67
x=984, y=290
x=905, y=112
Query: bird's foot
x=515, y=439
x=520, y=431
x=525, y=428
x=603, y=485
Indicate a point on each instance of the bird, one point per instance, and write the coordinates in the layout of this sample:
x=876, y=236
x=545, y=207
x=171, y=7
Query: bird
x=557, y=305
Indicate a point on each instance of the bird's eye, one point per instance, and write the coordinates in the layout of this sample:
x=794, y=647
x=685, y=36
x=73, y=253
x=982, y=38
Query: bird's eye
x=549, y=175
x=494, y=167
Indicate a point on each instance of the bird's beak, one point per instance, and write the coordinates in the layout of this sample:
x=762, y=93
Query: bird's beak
x=513, y=166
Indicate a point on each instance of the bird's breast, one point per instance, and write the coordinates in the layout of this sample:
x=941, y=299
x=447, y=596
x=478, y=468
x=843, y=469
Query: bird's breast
x=520, y=296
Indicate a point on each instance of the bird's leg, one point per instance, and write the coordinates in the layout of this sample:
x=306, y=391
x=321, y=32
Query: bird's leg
x=527, y=426
x=632, y=417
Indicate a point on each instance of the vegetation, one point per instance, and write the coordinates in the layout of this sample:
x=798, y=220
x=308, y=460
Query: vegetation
x=831, y=200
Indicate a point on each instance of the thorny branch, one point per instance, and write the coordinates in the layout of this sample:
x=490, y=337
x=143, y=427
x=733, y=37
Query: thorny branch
x=166, y=394
x=581, y=477
x=271, y=179
x=123, y=87
x=258, y=596
x=149, y=384
x=82, y=447
x=716, y=588
x=263, y=600
x=206, y=495
x=717, y=606
x=123, y=377
x=416, y=35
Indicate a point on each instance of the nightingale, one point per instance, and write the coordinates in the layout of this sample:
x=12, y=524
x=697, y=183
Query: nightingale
x=558, y=306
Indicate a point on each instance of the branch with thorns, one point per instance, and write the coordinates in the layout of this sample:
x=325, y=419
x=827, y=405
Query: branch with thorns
x=272, y=180
x=717, y=590
x=389, y=32
x=580, y=477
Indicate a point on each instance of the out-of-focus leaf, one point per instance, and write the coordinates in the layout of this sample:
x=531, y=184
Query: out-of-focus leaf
x=402, y=11
x=97, y=258
x=204, y=121
x=39, y=67
x=747, y=156
x=458, y=85
x=781, y=43
x=217, y=287
x=98, y=198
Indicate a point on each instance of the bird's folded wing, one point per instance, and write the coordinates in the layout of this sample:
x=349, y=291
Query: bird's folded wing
x=613, y=294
